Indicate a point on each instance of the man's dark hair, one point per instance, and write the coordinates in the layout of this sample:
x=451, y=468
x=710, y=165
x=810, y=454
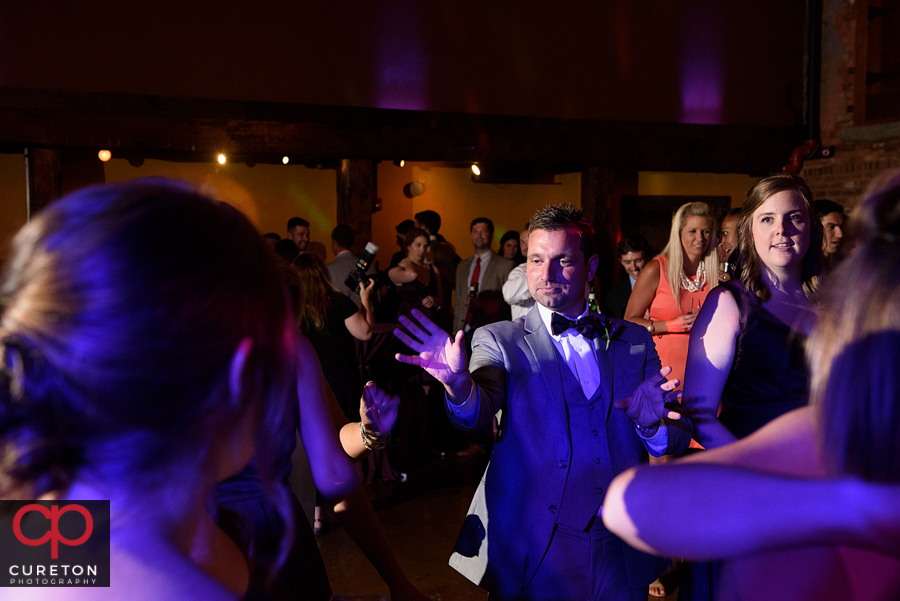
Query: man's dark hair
x=430, y=220
x=633, y=244
x=733, y=212
x=295, y=221
x=478, y=220
x=286, y=249
x=272, y=236
x=560, y=217
x=344, y=236
x=824, y=207
x=406, y=225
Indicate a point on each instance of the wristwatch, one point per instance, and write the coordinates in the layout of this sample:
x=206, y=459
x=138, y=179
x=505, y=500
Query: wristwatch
x=650, y=328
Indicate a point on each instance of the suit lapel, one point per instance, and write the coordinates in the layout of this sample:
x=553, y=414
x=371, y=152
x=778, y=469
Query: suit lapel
x=488, y=274
x=606, y=359
x=538, y=339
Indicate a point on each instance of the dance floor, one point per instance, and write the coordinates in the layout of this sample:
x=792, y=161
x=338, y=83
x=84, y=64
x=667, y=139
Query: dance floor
x=421, y=518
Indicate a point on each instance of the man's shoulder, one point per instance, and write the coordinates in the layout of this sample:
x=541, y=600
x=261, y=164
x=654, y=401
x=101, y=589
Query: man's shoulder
x=503, y=330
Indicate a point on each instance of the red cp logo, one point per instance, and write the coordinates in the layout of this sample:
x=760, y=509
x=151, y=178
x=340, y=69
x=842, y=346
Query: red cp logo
x=53, y=534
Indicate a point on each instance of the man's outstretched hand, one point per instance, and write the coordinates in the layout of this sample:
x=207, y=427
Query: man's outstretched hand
x=648, y=403
x=438, y=354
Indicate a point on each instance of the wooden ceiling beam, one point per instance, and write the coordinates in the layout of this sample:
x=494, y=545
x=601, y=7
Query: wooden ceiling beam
x=185, y=129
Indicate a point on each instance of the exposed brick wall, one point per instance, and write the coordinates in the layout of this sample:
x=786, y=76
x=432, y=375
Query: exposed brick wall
x=862, y=151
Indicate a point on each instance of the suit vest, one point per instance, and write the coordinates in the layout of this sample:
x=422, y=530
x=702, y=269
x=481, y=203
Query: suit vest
x=590, y=469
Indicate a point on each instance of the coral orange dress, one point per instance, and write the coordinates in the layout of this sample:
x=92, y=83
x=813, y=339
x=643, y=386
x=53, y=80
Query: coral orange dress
x=673, y=348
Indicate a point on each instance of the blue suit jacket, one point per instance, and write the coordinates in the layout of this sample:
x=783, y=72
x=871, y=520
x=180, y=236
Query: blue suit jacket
x=512, y=516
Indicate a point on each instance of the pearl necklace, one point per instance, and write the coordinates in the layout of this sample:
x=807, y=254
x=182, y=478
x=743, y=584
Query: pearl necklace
x=694, y=285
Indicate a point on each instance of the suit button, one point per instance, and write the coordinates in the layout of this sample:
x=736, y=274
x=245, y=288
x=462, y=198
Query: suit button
x=591, y=407
x=599, y=490
x=553, y=509
x=593, y=433
x=597, y=460
x=563, y=464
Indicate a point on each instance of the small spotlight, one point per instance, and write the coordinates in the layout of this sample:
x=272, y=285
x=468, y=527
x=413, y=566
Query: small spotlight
x=400, y=163
x=475, y=169
x=221, y=159
x=285, y=160
x=104, y=155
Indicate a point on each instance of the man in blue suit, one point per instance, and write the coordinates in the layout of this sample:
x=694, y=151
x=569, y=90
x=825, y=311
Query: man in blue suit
x=580, y=398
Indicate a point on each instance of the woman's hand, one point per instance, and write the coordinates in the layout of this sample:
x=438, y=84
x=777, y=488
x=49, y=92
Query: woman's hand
x=681, y=324
x=428, y=302
x=378, y=409
x=723, y=276
x=365, y=291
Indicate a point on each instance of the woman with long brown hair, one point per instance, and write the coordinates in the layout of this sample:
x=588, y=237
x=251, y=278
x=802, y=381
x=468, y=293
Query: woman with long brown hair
x=746, y=347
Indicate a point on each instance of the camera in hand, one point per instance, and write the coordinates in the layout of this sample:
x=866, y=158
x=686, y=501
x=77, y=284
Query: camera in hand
x=359, y=276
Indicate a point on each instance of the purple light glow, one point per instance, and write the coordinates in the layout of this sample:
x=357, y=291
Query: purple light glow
x=702, y=68
x=401, y=64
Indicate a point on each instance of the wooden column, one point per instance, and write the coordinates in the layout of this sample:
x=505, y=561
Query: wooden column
x=357, y=189
x=601, y=193
x=44, y=178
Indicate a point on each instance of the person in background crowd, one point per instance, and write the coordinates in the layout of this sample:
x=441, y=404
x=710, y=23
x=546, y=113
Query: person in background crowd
x=831, y=214
x=298, y=232
x=805, y=507
x=671, y=288
x=509, y=247
x=418, y=283
x=342, y=238
x=667, y=296
x=515, y=290
x=478, y=282
x=271, y=239
x=402, y=228
x=286, y=249
x=331, y=321
x=444, y=253
x=727, y=250
x=633, y=253
x=574, y=413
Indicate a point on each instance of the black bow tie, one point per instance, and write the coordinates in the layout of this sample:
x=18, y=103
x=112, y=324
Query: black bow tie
x=586, y=326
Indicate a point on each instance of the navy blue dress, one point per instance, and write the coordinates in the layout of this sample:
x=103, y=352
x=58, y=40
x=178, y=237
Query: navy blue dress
x=768, y=376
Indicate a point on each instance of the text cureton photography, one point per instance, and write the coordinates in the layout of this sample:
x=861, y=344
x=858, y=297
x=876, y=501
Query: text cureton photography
x=54, y=543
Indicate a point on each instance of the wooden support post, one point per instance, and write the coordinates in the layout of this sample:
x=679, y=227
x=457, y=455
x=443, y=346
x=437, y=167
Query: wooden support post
x=601, y=193
x=44, y=172
x=357, y=189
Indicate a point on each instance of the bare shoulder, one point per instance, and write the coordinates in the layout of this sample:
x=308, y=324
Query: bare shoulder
x=720, y=309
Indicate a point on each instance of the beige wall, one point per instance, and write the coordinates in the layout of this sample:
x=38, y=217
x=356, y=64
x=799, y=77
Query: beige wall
x=656, y=183
x=268, y=194
x=271, y=194
x=452, y=193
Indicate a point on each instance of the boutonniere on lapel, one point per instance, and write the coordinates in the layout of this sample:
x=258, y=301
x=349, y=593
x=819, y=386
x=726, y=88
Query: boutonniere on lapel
x=606, y=331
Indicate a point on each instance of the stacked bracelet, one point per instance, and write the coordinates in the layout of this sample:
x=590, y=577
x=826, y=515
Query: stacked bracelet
x=373, y=440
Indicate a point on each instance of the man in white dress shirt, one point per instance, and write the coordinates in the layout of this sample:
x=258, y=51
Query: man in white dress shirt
x=582, y=398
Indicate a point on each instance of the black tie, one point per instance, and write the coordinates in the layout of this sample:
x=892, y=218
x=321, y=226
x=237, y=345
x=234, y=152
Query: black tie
x=586, y=326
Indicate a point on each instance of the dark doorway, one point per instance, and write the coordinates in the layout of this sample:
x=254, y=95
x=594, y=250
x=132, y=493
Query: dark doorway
x=651, y=216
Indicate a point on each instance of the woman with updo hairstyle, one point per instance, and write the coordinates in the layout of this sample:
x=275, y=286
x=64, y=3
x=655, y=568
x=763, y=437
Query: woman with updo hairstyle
x=144, y=373
x=805, y=507
x=746, y=348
